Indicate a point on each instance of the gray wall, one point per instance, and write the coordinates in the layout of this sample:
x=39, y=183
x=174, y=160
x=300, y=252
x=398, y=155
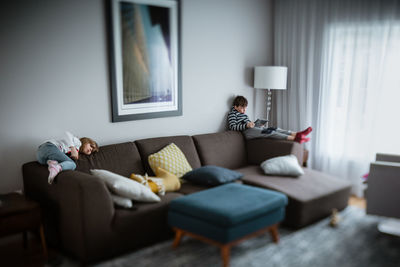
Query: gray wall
x=54, y=73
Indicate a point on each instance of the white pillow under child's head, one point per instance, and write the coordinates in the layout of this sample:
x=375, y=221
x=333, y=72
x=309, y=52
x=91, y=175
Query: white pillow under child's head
x=125, y=187
x=284, y=165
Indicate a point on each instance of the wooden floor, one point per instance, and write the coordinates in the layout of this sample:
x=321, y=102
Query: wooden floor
x=358, y=202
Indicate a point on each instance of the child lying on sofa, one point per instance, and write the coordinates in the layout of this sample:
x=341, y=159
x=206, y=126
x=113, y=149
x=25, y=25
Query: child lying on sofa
x=60, y=154
x=239, y=121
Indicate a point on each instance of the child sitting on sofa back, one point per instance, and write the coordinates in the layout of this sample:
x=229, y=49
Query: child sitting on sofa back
x=59, y=155
x=239, y=121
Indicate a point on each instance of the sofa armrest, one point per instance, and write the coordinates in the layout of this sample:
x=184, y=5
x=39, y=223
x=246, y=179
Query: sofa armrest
x=81, y=202
x=383, y=189
x=387, y=157
x=261, y=149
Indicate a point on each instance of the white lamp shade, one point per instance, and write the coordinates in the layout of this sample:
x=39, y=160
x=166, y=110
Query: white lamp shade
x=270, y=77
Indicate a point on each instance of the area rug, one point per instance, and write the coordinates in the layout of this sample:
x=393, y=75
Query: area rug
x=354, y=242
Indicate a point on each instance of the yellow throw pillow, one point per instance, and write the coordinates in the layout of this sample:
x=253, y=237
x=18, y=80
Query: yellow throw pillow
x=171, y=182
x=156, y=185
x=171, y=159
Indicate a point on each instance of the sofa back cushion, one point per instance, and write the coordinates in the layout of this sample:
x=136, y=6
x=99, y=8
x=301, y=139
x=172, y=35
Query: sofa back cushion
x=226, y=149
x=123, y=159
x=261, y=149
x=152, y=145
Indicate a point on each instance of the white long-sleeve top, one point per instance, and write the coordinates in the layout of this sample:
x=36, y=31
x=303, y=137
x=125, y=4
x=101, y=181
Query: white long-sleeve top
x=65, y=143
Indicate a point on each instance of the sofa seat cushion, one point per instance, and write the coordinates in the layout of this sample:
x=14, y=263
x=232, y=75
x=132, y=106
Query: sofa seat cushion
x=189, y=188
x=312, y=196
x=144, y=224
x=310, y=186
x=124, y=217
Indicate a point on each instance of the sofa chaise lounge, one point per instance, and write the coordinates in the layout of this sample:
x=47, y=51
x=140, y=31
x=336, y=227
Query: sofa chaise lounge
x=80, y=217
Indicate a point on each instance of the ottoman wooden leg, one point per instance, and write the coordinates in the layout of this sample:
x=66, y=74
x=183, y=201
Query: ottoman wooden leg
x=178, y=236
x=273, y=230
x=225, y=253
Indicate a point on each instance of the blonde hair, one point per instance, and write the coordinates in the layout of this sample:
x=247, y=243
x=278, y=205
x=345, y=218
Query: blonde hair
x=93, y=144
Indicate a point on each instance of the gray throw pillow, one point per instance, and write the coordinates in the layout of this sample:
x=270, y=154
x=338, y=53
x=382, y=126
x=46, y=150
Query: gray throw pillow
x=284, y=166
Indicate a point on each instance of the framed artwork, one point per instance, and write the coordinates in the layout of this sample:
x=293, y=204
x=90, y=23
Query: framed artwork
x=145, y=59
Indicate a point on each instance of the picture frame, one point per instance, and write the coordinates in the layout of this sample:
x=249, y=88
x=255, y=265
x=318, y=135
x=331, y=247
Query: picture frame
x=145, y=59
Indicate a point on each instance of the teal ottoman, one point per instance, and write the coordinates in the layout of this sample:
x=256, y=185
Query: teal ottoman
x=227, y=214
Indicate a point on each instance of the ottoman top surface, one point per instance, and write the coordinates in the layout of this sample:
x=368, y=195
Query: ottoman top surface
x=229, y=204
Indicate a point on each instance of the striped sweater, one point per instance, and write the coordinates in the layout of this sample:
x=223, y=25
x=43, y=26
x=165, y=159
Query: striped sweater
x=237, y=121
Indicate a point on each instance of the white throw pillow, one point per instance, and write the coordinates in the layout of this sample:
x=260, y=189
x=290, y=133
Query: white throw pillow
x=121, y=201
x=125, y=187
x=284, y=165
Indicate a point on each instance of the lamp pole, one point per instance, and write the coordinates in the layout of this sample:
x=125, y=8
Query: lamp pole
x=269, y=97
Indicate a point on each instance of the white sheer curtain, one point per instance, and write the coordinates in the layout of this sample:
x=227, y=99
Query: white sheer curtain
x=344, y=58
x=297, y=45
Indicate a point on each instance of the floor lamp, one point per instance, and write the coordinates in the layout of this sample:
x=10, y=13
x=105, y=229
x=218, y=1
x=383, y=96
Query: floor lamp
x=270, y=77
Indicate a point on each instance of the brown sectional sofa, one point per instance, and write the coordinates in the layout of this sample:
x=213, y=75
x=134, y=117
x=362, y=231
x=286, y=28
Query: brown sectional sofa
x=80, y=217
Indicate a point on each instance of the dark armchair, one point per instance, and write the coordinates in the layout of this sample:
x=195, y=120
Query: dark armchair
x=383, y=192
